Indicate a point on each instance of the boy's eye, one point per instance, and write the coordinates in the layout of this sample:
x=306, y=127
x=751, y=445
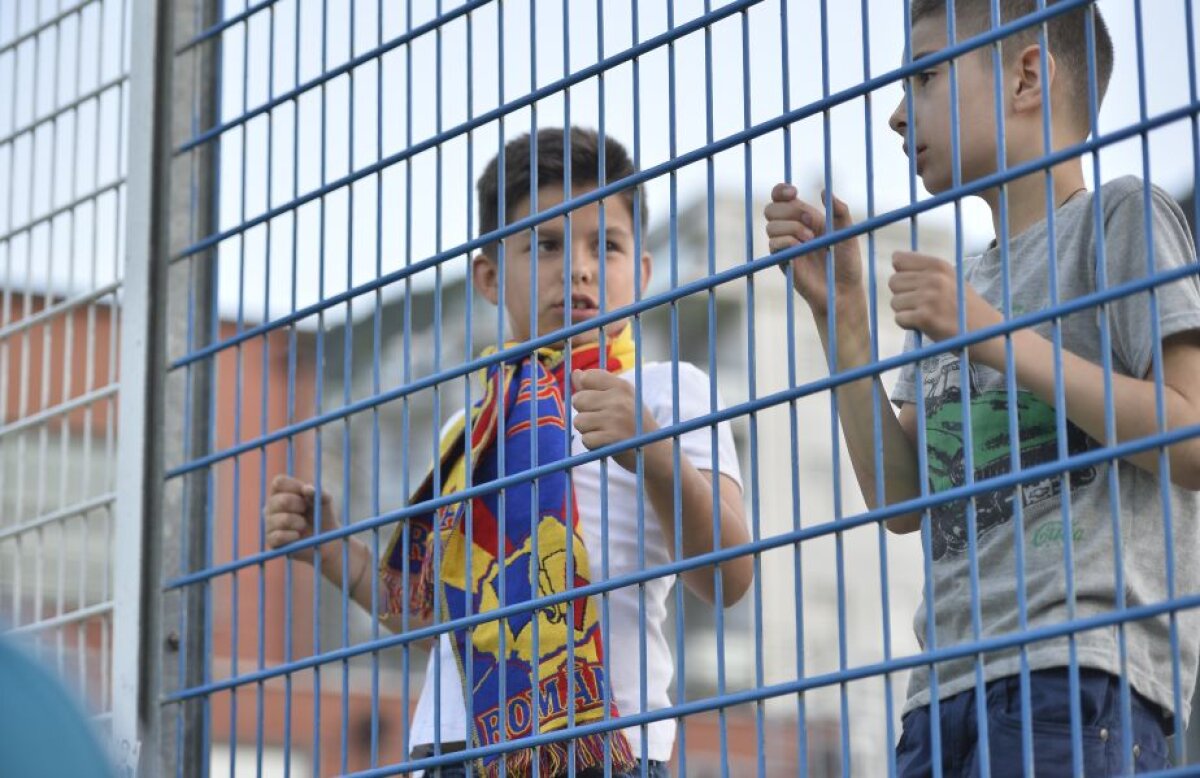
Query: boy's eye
x=611, y=246
x=925, y=76
x=547, y=245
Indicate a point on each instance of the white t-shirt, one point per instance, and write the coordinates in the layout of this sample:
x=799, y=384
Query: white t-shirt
x=625, y=632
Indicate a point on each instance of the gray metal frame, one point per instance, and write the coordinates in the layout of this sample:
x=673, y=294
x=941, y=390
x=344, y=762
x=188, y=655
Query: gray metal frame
x=141, y=359
x=169, y=201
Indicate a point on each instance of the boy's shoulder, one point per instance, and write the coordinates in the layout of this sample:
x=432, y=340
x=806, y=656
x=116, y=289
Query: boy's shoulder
x=667, y=367
x=660, y=383
x=663, y=375
x=1127, y=193
x=1123, y=186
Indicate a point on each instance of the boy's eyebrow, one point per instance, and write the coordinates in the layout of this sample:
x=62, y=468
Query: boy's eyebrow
x=618, y=230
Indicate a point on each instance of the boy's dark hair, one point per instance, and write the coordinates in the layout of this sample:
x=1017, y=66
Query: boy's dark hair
x=1066, y=38
x=518, y=173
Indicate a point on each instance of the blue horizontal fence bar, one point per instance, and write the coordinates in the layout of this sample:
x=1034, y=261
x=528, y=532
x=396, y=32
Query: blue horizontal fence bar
x=227, y=23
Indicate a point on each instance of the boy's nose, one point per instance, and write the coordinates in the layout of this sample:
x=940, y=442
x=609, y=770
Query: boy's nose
x=898, y=121
x=583, y=264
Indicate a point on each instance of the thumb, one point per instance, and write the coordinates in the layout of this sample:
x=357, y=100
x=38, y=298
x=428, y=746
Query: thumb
x=310, y=494
x=782, y=193
x=841, y=212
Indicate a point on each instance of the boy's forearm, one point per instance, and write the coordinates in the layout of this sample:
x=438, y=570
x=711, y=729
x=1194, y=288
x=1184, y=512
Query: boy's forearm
x=697, y=510
x=1134, y=400
x=364, y=574
x=357, y=575
x=901, y=476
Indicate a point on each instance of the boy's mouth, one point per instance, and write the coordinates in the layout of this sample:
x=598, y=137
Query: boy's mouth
x=918, y=158
x=582, y=306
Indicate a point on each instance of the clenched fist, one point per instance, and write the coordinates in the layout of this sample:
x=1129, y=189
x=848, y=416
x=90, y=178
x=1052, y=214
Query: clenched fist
x=604, y=412
x=925, y=298
x=290, y=514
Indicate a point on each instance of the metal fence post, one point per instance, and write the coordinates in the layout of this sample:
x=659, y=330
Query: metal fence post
x=188, y=288
x=169, y=92
x=135, y=547
x=190, y=292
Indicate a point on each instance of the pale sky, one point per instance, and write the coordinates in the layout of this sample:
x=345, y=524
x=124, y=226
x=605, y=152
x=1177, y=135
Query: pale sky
x=1165, y=53
x=350, y=249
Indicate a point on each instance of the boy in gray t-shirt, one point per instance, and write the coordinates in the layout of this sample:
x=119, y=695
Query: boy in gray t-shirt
x=1119, y=512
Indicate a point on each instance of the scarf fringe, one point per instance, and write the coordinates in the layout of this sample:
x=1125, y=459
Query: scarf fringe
x=553, y=758
x=396, y=598
x=418, y=597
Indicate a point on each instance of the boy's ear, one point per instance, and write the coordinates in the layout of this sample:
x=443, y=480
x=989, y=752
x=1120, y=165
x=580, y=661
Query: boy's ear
x=486, y=277
x=1031, y=93
x=647, y=267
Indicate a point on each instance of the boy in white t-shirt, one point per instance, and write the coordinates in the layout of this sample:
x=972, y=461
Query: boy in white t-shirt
x=602, y=395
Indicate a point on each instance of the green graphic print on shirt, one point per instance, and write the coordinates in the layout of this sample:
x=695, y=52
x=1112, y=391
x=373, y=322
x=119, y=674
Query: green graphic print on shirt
x=1036, y=426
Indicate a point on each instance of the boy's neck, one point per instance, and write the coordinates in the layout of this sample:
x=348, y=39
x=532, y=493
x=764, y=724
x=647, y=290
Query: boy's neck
x=1027, y=197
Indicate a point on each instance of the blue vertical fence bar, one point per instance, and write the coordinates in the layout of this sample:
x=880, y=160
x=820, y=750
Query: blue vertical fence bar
x=348, y=328
x=876, y=422
x=930, y=637
x=1010, y=389
x=752, y=392
x=676, y=535
x=968, y=427
x=793, y=415
x=835, y=440
x=376, y=388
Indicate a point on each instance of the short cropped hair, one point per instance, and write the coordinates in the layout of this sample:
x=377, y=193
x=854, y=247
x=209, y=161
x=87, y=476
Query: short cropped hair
x=1066, y=38
x=551, y=154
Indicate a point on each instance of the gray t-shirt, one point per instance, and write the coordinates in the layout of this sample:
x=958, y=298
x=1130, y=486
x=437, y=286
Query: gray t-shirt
x=1142, y=514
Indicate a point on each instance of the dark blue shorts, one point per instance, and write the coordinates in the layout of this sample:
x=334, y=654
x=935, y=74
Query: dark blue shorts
x=1050, y=717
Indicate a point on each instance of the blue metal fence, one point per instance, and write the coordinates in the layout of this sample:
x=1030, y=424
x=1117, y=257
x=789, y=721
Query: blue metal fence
x=339, y=331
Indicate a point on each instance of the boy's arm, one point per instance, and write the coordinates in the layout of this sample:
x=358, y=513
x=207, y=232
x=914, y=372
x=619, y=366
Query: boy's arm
x=289, y=515
x=1134, y=399
x=604, y=405
x=696, y=519
x=857, y=407
x=791, y=221
x=926, y=299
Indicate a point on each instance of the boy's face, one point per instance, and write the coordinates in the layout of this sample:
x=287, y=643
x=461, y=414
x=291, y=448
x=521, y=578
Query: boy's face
x=554, y=303
x=931, y=110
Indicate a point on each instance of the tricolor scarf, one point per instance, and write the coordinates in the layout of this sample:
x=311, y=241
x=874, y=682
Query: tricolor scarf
x=527, y=389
